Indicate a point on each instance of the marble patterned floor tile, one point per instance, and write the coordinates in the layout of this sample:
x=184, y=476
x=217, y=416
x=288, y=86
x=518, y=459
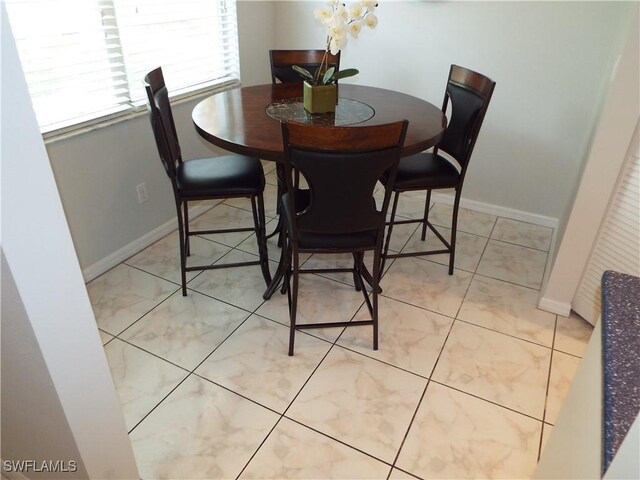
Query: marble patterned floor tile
x=410, y=204
x=469, y=221
x=319, y=300
x=563, y=369
x=572, y=334
x=426, y=284
x=513, y=263
x=254, y=362
x=141, y=379
x=507, y=308
x=250, y=245
x=502, y=369
x=296, y=452
x=105, y=337
x=270, y=196
x=271, y=178
x=200, y=431
x=522, y=233
x=123, y=295
x=268, y=166
x=400, y=235
x=455, y=435
x=338, y=260
x=359, y=401
x=239, y=286
x=397, y=474
x=469, y=248
x=224, y=216
x=409, y=337
x=184, y=330
x=163, y=257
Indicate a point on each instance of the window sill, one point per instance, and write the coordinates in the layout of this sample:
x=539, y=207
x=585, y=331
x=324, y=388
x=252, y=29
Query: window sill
x=133, y=112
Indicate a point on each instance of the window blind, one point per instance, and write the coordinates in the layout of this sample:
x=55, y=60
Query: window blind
x=86, y=59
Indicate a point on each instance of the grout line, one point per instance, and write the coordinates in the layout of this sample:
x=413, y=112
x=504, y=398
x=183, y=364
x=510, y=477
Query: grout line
x=546, y=396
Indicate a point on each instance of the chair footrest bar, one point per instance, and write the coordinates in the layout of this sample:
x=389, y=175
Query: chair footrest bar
x=333, y=324
x=416, y=254
x=222, y=230
x=402, y=222
x=221, y=265
x=326, y=270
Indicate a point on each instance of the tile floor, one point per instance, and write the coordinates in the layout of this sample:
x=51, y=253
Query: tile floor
x=467, y=383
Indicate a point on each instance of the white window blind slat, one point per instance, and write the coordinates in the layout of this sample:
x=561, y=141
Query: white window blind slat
x=92, y=63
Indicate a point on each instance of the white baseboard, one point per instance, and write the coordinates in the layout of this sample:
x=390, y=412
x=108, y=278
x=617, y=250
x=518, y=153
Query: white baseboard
x=119, y=256
x=553, y=306
x=497, y=210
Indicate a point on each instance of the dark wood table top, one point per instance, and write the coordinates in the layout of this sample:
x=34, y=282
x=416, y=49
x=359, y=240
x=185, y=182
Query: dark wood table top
x=237, y=119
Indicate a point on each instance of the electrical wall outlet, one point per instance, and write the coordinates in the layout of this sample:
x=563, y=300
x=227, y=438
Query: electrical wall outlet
x=142, y=192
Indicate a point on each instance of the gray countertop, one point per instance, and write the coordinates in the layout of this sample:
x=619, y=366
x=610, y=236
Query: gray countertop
x=621, y=358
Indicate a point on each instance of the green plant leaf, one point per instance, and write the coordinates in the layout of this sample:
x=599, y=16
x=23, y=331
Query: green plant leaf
x=304, y=73
x=347, y=72
x=328, y=75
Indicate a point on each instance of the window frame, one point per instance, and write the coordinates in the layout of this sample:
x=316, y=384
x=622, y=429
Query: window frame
x=125, y=111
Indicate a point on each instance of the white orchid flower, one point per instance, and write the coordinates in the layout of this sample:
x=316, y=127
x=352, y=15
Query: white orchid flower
x=369, y=4
x=356, y=11
x=370, y=20
x=354, y=29
x=341, y=13
x=323, y=14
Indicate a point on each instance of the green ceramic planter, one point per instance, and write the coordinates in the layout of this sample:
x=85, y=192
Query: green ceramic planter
x=320, y=98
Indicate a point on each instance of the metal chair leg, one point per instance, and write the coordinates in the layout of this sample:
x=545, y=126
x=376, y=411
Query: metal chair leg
x=186, y=228
x=261, y=237
x=454, y=229
x=396, y=197
x=183, y=247
x=426, y=215
x=293, y=301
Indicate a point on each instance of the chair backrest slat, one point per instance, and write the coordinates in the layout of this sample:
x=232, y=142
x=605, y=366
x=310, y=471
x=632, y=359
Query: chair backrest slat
x=161, y=117
x=282, y=60
x=469, y=94
x=342, y=166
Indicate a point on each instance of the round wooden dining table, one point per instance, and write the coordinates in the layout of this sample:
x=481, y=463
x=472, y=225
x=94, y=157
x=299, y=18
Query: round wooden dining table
x=247, y=120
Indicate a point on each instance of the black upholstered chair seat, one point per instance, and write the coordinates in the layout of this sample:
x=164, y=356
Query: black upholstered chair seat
x=224, y=176
x=425, y=170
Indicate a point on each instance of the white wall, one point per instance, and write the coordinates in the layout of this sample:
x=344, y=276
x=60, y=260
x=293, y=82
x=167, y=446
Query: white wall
x=61, y=404
x=551, y=62
x=612, y=144
x=97, y=172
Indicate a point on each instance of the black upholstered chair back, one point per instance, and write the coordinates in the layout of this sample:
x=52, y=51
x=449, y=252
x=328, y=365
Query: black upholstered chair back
x=341, y=166
x=161, y=118
x=469, y=94
x=282, y=60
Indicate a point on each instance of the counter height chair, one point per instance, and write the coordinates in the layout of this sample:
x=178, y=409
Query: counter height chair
x=469, y=94
x=226, y=176
x=338, y=213
x=283, y=60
